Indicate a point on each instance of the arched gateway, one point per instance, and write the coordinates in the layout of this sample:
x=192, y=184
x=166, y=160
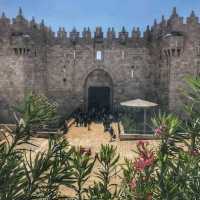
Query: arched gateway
x=98, y=90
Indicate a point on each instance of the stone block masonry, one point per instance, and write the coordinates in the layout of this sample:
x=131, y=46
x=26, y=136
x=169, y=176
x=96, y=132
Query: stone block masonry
x=63, y=66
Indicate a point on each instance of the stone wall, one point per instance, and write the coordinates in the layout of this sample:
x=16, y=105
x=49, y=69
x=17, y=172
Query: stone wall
x=151, y=66
x=68, y=69
x=11, y=84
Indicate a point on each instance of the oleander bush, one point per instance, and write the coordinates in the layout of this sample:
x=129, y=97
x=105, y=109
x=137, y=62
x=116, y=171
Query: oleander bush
x=169, y=172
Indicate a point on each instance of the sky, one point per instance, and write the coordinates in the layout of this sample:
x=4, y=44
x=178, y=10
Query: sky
x=104, y=13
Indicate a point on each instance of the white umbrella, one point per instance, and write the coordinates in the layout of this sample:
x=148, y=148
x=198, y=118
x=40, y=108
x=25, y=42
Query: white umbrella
x=139, y=103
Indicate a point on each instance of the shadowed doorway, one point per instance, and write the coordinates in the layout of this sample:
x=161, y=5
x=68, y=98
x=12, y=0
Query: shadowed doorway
x=99, y=98
x=98, y=91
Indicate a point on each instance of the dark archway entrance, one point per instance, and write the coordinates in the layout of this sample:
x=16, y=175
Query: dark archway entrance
x=98, y=90
x=99, y=98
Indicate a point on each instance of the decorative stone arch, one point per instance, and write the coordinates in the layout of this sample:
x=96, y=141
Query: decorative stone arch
x=98, y=78
x=93, y=68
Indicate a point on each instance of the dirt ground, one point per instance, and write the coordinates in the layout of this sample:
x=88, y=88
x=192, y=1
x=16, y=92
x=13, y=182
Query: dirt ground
x=80, y=136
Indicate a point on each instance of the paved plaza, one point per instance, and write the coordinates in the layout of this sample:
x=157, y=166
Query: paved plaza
x=80, y=136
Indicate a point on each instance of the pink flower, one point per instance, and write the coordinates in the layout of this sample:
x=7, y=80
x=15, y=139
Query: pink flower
x=133, y=184
x=160, y=130
x=149, y=160
x=194, y=152
x=146, y=156
x=142, y=146
x=141, y=163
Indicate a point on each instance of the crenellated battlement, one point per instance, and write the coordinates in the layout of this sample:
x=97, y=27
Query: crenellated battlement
x=40, y=32
x=25, y=37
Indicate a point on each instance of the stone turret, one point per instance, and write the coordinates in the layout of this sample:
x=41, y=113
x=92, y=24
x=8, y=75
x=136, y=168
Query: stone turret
x=42, y=25
x=33, y=24
x=43, y=31
x=87, y=34
x=19, y=18
x=163, y=22
x=74, y=36
x=62, y=34
x=136, y=34
x=163, y=26
x=175, y=22
x=52, y=34
x=156, y=30
x=98, y=35
x=4, y=25
x=84, y=32
x=111, y=34
x=192, y=19
x=20, y=38
x=155, y=24
x=173, y=40
x=147, y=34
x=4, y=21
x=20, y=24
x=123, y=36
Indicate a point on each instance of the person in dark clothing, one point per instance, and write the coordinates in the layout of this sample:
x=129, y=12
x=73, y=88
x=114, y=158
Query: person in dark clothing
x=81, y=119
x=76, y=120
x=85, y=119
x=89, y=122
x=108, y=123
x=104, y=124
x=112, y=134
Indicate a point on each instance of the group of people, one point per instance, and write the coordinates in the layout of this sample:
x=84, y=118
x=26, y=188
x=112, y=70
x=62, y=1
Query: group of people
x=82, y=119
x=85, y=119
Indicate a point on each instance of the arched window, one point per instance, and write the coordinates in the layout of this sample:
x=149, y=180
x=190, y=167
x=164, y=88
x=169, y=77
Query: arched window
x=132, y=71
x=64, y=74
x=64, y=69
x=98, y=55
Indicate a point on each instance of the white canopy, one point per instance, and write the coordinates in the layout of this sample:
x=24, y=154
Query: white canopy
x=138, y=103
